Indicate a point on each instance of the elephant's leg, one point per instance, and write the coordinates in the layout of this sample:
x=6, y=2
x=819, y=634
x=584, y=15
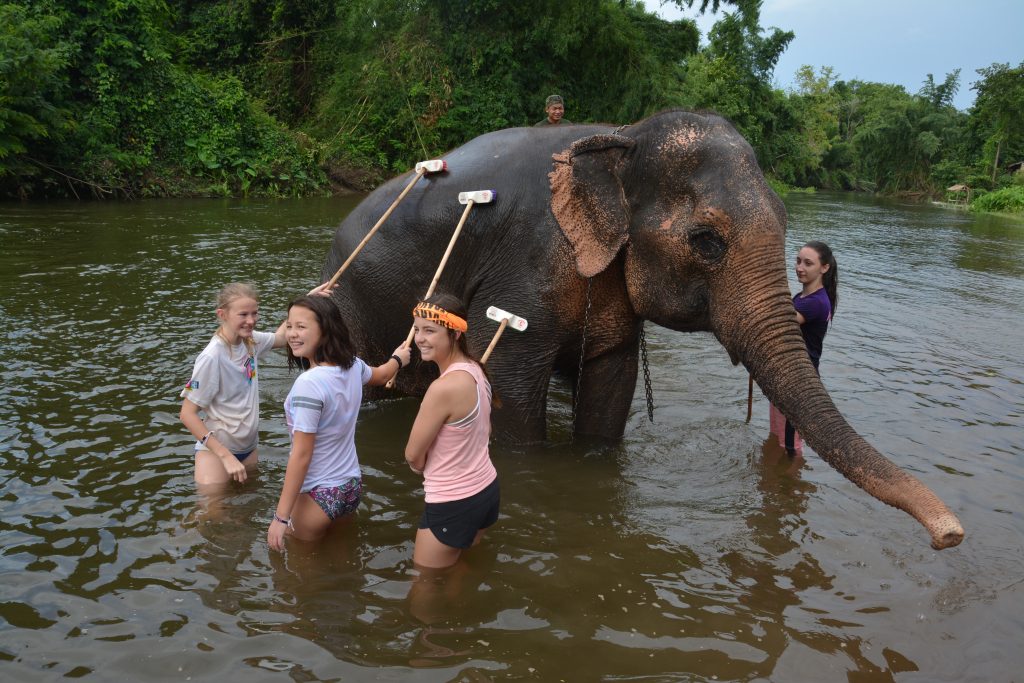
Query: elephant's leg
x=523, y=393
x=606, y=393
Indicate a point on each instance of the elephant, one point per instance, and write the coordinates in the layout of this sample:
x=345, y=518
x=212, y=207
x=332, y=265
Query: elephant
x=595, y=229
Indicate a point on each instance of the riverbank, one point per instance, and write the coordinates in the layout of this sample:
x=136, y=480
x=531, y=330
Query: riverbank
x=1008, y=200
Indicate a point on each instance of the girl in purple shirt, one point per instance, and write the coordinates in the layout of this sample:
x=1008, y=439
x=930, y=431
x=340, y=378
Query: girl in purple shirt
x=818, y=272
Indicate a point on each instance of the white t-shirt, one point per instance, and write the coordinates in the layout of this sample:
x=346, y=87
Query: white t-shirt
x=225, y=385
x=325, y=401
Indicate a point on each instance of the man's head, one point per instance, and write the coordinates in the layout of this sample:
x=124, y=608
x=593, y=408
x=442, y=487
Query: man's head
x=555, y=108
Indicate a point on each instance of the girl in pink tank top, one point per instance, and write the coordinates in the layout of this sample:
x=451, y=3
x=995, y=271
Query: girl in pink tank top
x=448, y=443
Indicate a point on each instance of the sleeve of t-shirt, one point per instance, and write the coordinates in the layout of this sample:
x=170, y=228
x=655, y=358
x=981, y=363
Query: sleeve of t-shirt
x=204, y=383
x=264, y=343
x=307, y=404
x=812, y=308
x=365, y=371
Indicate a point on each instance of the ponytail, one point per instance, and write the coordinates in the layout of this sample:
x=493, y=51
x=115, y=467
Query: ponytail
x=830, y=278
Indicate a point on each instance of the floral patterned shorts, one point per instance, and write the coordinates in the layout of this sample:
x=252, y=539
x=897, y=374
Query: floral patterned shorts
x=338, y=501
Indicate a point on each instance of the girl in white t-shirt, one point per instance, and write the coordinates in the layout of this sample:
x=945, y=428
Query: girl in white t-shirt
x=322, y=483
x=225, y=386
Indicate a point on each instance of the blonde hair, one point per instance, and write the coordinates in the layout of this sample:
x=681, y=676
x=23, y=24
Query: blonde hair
x=228, y=294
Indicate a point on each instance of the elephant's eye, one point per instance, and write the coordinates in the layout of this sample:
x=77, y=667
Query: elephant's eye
x=706, y=241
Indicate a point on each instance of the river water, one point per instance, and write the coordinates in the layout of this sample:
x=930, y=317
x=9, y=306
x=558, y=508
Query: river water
x=690, y=551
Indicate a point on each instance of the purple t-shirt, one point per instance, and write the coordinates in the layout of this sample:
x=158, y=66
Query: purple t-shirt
x=817, y=311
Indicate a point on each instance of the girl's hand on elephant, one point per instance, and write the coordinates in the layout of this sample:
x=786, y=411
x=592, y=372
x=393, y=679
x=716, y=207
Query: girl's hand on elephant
x=404, y=353
x=322, y=289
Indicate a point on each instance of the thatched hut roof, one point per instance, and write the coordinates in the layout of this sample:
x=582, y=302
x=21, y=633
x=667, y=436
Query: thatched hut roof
x=958, y=188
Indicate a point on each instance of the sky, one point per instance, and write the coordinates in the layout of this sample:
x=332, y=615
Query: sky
x=888, y=41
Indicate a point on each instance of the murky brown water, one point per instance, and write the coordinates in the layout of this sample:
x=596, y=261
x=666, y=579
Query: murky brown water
x=685, y=553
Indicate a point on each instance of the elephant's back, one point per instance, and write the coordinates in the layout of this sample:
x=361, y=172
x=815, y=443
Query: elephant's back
x=513, y=162
x=505, y=155
x=500, y=242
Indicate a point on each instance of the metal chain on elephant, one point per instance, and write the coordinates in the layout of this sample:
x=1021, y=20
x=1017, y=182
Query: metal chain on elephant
x=647, y=374
x=579, y=373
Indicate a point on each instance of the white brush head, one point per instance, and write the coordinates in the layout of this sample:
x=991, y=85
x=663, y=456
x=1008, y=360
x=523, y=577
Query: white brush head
x=477, y=197
x=432, y=166
x=514, y=321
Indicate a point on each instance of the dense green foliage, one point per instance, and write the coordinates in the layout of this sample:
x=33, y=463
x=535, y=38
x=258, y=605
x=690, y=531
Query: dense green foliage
x=275, y=97
x=1007, y=200
x=31, y=66
x=92, y=103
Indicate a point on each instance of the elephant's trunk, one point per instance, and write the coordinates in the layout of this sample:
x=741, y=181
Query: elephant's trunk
x=755, y=320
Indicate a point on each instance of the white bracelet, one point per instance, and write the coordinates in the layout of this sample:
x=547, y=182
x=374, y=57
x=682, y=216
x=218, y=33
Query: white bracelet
x=205, y=437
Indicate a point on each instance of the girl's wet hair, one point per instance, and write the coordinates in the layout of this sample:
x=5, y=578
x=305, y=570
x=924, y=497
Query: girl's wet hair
x=236, y=290
x=227, y=295
x=830, y=278
x=336, y=346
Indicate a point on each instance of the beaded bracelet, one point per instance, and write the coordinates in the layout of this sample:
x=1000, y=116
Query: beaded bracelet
x=397, y=360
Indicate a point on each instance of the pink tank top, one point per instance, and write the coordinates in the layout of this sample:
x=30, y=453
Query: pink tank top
x=459, y=461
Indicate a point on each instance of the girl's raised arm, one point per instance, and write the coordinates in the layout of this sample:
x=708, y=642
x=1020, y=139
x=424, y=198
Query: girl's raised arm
x=389, y=368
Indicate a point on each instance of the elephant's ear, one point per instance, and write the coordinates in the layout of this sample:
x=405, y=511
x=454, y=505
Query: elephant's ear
x=588, y=201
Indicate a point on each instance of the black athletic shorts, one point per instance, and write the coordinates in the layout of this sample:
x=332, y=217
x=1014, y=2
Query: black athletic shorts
x=456, y=522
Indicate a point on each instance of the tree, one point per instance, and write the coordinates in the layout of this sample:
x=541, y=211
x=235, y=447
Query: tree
x=32, y=87
x=816, y=112
x=1000, y=103
x=409, y=80
x=898, y=138
x=732, y=76
x=940, y=95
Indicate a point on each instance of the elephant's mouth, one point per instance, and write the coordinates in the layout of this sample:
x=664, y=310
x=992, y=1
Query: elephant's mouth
x=690, y=310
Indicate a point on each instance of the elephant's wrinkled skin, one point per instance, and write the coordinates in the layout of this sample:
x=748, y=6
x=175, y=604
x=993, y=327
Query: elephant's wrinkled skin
x=670, y=219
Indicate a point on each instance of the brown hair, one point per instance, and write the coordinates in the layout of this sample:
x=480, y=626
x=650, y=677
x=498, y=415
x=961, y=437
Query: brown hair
x=335, y=341
x=454, y=305
x=830, y=278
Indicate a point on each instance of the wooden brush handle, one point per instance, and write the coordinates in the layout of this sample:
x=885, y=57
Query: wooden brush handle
x=359, y=247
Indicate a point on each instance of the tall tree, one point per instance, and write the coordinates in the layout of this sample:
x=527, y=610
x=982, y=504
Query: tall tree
x=32, y=88
x=940, y=95
x=733, y=74
x=1000, y=103
x=817, y=119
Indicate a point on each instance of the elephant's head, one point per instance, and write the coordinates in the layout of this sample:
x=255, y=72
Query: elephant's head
x=682, y=195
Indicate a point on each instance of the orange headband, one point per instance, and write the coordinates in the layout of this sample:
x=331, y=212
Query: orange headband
x=436, y=314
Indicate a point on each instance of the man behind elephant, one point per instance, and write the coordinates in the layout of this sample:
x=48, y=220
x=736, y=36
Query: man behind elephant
x=554, y=106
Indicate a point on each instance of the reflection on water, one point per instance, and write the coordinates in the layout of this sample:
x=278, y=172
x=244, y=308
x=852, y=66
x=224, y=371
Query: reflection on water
x=693, y=550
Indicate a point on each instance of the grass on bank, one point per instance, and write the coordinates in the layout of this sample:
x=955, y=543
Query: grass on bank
x=1006, y=200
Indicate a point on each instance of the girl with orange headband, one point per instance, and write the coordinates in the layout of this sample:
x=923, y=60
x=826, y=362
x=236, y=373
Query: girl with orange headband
x=448, y=443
